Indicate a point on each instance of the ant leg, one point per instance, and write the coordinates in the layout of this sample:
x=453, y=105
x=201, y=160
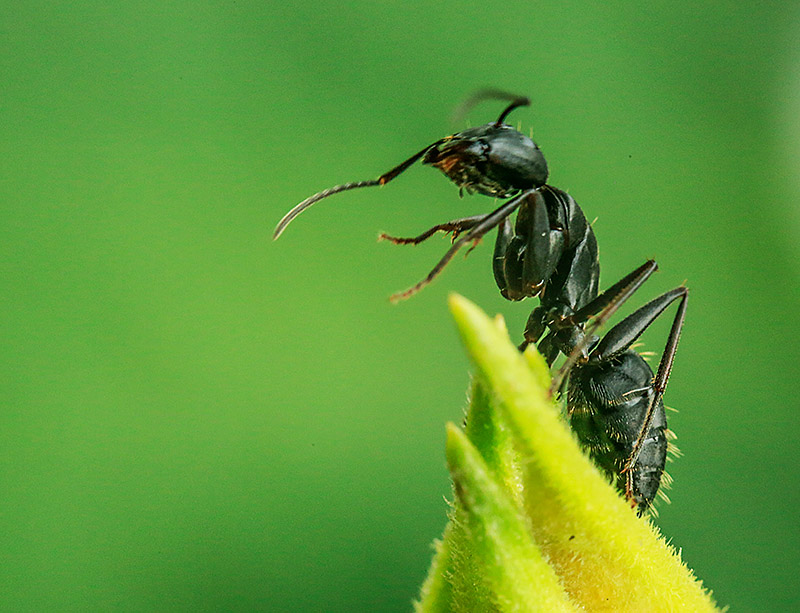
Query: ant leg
x=534, y=327
x=604, y=306
x=615, y=295
x=504, y=236
x=456, y=226
x=549, y=348
x=489, y=221
x=526, y=258
x=624, y=334
x=544, y=245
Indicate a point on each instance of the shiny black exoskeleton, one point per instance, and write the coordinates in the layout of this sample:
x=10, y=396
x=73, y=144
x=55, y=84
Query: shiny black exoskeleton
x=609, y=424
x=551, y=253
x=493, y=160
x=613, y=398
x=615, y=402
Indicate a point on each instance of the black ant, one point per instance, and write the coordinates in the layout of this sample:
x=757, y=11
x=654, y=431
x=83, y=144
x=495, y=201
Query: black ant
x=614, y=401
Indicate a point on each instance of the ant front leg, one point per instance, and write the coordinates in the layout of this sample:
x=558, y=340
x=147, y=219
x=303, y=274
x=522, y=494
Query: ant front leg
x=526, y=258
x=475, y=233
x=456, y=226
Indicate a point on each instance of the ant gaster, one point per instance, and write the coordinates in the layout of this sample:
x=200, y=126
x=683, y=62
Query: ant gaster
x=613, y=399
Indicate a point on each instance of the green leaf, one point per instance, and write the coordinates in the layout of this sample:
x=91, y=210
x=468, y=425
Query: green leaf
x=534, y=523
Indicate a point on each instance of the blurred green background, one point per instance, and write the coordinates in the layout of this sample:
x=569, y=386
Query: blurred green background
x=196, y=418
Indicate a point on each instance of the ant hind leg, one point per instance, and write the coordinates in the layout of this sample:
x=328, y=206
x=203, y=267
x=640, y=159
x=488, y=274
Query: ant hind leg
x=602, y=308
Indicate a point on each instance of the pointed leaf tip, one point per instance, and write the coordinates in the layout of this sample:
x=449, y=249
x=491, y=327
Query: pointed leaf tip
x=465, y=311
x=533, y=520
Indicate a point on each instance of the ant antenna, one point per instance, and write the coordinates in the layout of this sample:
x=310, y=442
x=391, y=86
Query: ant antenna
x=490, y=94
x=522, y=101
x=382, y=180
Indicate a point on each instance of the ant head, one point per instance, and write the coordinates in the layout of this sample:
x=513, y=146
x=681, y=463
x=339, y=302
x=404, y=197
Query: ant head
x=493, y=159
